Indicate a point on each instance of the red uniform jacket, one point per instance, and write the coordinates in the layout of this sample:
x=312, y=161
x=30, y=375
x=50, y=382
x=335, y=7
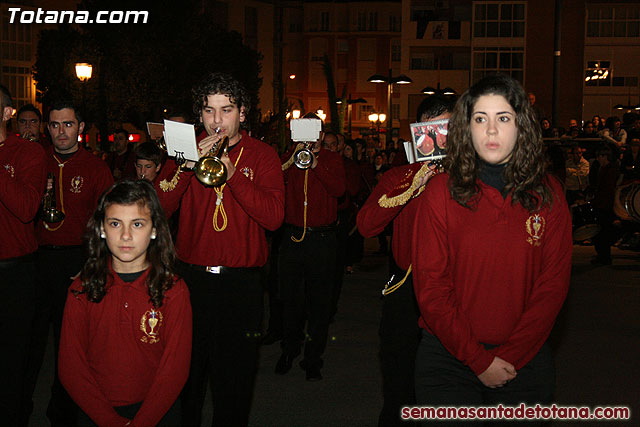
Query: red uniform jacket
x=78, y=184
x=496, y=274
x=110, y=356
x=372, y=218
x=253, y=200
x=325, y=184
x=22, y=183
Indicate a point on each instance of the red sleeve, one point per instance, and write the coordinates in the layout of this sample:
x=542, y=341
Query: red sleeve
x=263, y=198
x=21, y=190
x=549, y=290
x=433, y=283
x=73, y=366
x=170, y=199
x=173, y=369
x=372, y=218
x=330, y=172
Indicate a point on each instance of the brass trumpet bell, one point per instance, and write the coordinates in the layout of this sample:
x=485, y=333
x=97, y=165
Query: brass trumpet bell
x=303, y=158
x=210, y=170
x=51, y=216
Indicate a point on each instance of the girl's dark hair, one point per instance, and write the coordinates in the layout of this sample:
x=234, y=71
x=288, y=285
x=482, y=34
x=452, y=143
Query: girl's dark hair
x=524, y=173
x=160, y=253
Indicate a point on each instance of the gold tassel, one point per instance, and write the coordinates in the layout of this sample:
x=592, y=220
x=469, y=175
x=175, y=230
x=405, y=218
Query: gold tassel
x=289, y=162
x=167, y=186
x=403, y=198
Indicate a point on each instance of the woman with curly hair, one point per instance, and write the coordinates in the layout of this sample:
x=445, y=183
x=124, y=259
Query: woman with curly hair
x=491, y=257
x=126, y=333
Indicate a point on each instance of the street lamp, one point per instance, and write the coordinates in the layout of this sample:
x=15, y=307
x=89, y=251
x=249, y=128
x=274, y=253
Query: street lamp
x=350, y=102
x=447, y=91
x=390, y=80
x=83, y=73
x=321, y=114
x=376, y=119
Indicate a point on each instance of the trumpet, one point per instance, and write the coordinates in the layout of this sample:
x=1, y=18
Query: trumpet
x=303, y=158
x=49, y=212
x=210, y=170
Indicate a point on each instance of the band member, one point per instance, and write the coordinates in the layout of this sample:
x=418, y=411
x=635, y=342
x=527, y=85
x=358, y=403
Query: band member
x=30, y=125
x=399, y=330
x=22, y=181
x=77, y=179
x=122, y=160
x=127, y=365
x=221, y=244
x=148, y=161
x=491, y=257
x=307, y=256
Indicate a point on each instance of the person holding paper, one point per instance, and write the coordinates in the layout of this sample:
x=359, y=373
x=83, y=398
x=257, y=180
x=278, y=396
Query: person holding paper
x=221, y=246
x=399, y=330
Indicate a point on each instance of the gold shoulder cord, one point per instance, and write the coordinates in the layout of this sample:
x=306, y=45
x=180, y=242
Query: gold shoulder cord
x=167, y=186
x=60, y=166
x=304, y=232
x=219, y=205
x=403, y=198
x=388, y=290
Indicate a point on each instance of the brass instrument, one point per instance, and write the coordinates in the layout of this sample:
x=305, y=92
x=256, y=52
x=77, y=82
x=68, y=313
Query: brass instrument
x=303, y=158
x=210, y=170
x=49, y=212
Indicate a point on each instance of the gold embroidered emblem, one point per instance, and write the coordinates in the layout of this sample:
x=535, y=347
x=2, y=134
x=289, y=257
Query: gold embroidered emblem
x=76, y=184
x=11, y=170
x=248, y=172
x=150, y=322
x=535, y=228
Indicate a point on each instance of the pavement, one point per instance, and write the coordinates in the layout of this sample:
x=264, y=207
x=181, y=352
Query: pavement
x=596, y=343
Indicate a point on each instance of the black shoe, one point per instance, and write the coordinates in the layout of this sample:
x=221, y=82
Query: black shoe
x=270, y=338
x=284, y=363
x=313, y=374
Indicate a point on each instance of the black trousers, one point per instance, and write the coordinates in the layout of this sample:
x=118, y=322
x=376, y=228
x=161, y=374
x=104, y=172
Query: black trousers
x=55, y=268
x=17, y=301
x=227, y=320
x=272, y=286
x=607, y=236
x=399, y=339
x=442, y=380
x=306, y=288
x=170, y=419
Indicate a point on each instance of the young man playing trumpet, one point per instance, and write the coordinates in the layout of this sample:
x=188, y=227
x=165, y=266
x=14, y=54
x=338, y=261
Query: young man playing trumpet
x=221, y=246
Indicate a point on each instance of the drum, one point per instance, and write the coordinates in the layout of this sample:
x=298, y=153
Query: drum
x=585, y=222
x=626, y=204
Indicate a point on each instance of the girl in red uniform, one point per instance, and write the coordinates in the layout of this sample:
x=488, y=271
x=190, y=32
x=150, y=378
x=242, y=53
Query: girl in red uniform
x=125, y=346
x=491, y=257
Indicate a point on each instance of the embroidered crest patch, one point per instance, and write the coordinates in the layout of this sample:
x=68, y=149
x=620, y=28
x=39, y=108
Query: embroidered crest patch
x=11, y=170
x=248, y=172
x=535, y=228
x=76, y=184
x=150, y=323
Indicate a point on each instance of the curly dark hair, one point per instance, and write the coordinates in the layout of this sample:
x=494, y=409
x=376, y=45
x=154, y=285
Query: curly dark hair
x=524, y=173
x=160, y=253
x=220, y=84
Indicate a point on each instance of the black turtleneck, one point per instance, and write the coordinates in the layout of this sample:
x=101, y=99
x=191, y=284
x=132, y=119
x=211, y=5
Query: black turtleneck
x=64, y=157
x=492, y=175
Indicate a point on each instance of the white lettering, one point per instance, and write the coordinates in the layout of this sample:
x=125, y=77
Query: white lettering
x=68, y=13
x=52, y=17
x=137, y=13
x=13, y=11
x=39, y=16
x=113, y=19
x=82, y=17
x=99, y=18
x=27, y=17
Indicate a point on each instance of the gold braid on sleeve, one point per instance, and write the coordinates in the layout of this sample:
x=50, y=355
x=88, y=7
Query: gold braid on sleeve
x=167, y=186
x=401, y=199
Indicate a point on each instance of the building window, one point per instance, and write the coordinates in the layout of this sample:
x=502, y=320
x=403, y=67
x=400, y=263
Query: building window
x=324, y=21
x=363, y=112
x=18, y=81
x=373, y=21
x=396, y=51
x=394, y=24
x=598, y=73
x=613, y=20
x=506, y=60
x=499, y=19
x=362, y=21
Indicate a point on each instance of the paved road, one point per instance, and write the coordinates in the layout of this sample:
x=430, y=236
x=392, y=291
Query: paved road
x=596, y=341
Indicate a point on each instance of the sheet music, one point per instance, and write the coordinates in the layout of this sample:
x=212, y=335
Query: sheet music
x=181, y=138
x=155, y=130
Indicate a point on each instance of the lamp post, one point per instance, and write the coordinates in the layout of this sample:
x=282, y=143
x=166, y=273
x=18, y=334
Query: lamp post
x=376, y=119
x=390, y=80
x=83, y=73
x=350, y=102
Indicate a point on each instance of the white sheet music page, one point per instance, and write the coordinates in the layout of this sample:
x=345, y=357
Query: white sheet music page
x=181, y=138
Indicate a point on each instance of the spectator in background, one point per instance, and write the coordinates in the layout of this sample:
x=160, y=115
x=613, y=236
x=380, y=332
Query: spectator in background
x=588, y=130
x=545, y=126
x=577, y=172
x=30, y=125
x=598, y=123
x=603, y=198
x=631, y=160
x=537, y=109
x=122, y=160
x=613, y=132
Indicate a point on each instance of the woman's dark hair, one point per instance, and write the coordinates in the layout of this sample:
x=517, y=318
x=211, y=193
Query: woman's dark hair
x=610, y=123
x=524, y=173
x=160, y=253
x=220, y=84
